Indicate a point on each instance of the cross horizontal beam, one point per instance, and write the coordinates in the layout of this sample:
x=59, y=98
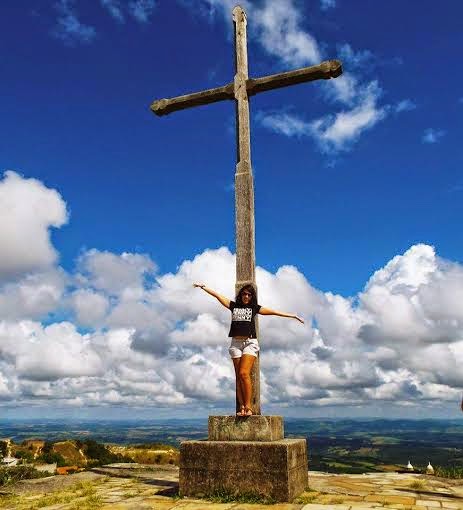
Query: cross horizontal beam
x=166, y=106
x=324, y=71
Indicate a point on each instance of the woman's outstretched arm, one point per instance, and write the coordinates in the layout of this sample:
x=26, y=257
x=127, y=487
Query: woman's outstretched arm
x=222, y=299
x=268, y=311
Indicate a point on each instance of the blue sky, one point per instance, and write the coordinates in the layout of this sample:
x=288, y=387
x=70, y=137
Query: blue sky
x=349, y=175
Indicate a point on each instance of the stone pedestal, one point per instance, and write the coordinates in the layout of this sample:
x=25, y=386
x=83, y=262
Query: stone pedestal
x=244, y=456
x=249, y=428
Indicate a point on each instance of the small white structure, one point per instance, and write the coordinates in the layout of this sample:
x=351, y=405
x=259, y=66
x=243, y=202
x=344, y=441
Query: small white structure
x=409, y=466
x=429, y=469
x=9, y=461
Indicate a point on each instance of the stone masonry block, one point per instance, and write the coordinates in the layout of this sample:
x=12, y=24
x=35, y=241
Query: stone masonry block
x=247, y=428
x=276, y=469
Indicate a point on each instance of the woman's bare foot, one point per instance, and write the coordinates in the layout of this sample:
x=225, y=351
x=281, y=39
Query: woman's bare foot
x=241, y=412
x=248, y=412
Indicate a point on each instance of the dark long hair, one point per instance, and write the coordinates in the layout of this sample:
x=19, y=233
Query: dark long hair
x=252, y=290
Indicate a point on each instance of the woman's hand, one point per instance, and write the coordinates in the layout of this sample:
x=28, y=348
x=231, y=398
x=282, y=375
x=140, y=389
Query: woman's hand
x=222, y=300
x=299, y=319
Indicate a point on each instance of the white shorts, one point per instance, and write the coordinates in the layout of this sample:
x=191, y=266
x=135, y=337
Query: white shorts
x=239, y=347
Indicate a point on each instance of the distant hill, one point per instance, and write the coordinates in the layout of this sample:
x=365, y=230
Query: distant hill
x=89, y=453
x=154, y=453
x=79, y=453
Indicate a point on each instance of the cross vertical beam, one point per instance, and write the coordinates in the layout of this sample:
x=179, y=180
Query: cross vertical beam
x=244, y=185
x=239, y=90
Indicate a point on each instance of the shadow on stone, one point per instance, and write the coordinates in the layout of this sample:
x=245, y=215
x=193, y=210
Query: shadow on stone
x=171, y=492
x=422, y=492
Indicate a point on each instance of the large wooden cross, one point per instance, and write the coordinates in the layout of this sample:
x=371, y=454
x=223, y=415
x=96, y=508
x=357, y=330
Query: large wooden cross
x=240, y=90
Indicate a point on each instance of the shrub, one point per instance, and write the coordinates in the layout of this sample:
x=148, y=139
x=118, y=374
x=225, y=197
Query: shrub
x=26, y=455
x=100, y=454
x=418, y=485
x=225, y=496
x=3, y=448
x=47, y=447
x=50, y=457
x=449, y=471
x=15, y=473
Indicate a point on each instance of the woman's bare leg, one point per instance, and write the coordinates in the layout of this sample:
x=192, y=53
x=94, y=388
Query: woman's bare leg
x=239, y=390
x=247, y=361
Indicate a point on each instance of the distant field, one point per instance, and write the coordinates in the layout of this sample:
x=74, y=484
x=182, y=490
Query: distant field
x=147, y=454
x=351, y=446
x=354, y=446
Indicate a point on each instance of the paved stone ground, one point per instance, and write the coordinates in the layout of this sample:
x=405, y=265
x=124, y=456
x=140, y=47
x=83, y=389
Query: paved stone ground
x=137, y=487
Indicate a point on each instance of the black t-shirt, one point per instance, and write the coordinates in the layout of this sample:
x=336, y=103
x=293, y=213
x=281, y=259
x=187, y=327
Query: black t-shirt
x=243, y=323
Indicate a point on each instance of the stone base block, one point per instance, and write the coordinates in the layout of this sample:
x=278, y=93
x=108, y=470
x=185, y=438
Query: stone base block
x=246, y=428
x=276, y=469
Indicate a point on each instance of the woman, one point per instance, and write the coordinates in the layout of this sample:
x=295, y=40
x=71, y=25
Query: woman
x=244, y=345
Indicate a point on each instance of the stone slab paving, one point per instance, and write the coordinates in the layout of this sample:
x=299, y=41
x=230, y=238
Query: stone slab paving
x=140, y=487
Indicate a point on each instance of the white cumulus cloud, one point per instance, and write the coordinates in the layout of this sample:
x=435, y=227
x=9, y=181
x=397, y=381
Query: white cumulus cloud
x=398, y=341
x=284, y=123
x=119, y=275
x=115, y=331
x=28, y=210
x=89, y=306
x=338, y=131
x=281, y=35
x=33, y=296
